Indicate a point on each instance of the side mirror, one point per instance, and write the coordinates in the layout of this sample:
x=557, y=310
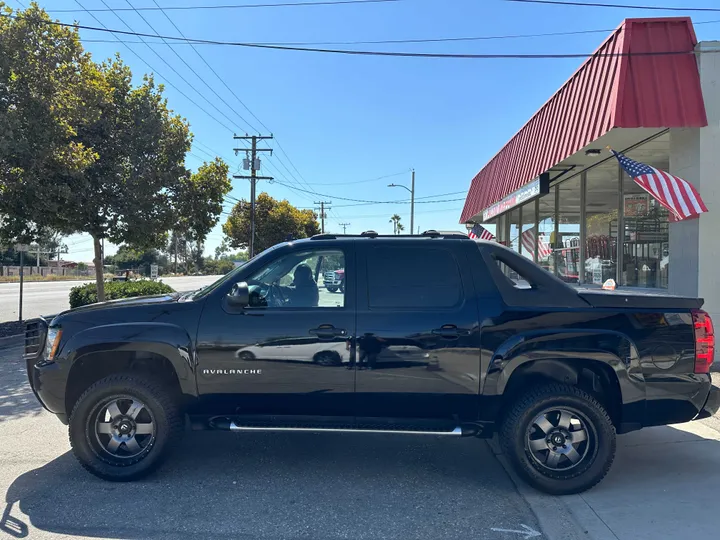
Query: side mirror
x=239, y=295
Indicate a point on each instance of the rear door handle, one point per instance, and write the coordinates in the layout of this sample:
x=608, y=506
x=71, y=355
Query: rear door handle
x=449, y=331
x=327, y=331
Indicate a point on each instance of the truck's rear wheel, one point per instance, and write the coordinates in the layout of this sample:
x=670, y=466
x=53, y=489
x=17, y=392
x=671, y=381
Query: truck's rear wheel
x=123, y=427
x=331, y=288
x=559, y=439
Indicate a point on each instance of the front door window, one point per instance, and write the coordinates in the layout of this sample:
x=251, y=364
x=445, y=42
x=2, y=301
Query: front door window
x=311, y=279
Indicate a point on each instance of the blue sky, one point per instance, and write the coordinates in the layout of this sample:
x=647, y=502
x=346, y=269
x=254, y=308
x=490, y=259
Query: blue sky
x=342, y=120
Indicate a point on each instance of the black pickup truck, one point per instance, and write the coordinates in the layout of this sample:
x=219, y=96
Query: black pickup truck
x=434, y=334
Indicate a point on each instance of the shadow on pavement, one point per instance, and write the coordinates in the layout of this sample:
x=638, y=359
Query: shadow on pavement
x=283, y=486
x=16, y=396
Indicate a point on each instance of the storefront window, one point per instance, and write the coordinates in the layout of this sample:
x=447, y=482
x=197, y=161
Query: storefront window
x=566, y=245
x=646, y=235
x=529, y=234
x=601, y=222
x=514, y=239
x=546, y=227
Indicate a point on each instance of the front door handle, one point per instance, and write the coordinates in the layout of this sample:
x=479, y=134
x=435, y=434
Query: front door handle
x=327, y=331
x=448, y=331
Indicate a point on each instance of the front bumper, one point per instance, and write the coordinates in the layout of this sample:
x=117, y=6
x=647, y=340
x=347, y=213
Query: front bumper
x=712, y=404
x=47, y=379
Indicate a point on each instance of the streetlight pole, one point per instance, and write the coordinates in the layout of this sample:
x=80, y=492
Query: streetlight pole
x=412, y=200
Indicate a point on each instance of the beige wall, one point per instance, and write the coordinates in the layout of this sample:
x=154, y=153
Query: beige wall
x=695, y=156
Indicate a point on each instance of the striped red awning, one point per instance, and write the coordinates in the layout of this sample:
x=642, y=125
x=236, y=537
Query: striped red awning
x=606, y=92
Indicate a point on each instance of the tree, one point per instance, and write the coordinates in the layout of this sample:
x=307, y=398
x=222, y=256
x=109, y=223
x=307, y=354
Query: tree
x=275, y=222
x=200, y=199
x=397, y=227
x=48, y=88
x=128, y=258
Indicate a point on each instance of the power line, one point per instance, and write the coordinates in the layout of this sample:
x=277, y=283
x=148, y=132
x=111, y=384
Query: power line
x=239, y=6
x=253, y=128
x=354, y=52
x=168, y=64
x=169, y=83
x=358, y=181
x=398, y=41
x=620, y=6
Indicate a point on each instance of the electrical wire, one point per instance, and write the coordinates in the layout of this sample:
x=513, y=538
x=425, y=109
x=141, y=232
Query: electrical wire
x=620, y=6
x=354, y=52
x=399, y=41
x=155, y=71
x=222, y=81
x=240, y=6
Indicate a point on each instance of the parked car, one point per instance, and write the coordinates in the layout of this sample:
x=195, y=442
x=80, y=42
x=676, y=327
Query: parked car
x=334, y=280
x=554, y=370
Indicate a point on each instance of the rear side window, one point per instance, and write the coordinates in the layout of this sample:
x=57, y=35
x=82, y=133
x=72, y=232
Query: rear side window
x=410, y=277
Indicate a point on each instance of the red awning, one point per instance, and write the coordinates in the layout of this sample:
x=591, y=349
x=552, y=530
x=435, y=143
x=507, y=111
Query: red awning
x=606, y=92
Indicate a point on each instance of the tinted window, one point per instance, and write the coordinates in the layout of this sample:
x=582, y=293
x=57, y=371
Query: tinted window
x=413, y=278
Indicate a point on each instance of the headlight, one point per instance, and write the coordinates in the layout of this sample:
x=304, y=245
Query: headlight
x=52, y=342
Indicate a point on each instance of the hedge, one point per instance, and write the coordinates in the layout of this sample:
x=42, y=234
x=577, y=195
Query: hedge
x=87, y=294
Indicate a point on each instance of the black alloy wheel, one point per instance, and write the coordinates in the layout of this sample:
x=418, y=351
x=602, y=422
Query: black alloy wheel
x=327, y=358
x=123, y=426
x=558, y=438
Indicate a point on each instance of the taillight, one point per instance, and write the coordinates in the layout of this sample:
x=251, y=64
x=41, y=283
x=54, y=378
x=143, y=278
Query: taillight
x=704, y=341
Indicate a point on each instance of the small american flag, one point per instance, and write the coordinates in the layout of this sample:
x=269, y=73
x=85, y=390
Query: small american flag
x=528, y=242
x=478, y=231
x=678, y=196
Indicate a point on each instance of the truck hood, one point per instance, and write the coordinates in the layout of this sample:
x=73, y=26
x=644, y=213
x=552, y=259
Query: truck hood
x=103, y=311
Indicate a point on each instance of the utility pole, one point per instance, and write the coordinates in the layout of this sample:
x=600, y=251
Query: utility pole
x=252, y=163
x=344, y=226
x=38, y=251
x=322, y=213
x=412, y=203
x=411, y=189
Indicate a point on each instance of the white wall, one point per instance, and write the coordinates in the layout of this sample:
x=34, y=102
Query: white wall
x=695, y=157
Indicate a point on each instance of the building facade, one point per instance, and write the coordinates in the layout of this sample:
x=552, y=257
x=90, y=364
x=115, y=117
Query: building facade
x=558, y=196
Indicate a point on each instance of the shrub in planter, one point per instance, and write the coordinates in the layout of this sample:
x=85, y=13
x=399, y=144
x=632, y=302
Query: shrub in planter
x=87, y=294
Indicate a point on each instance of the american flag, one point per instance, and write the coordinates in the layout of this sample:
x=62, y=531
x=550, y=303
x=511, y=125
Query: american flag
x=528, y=242
x=678, y=196
x=478, y=231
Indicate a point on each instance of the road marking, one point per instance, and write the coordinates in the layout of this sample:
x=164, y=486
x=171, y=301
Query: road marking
x=527, y=532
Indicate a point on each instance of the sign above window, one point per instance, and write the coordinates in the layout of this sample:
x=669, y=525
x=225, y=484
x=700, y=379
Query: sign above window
x=539, y=186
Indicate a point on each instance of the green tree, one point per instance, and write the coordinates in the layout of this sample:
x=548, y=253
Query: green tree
x=275, y=222
x=397, y=226
x=130, y=258
x=48, y=88
x=200, y=197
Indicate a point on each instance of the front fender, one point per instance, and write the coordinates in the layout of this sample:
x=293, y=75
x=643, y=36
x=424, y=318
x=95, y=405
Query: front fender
x=558, y=353
x=167, y=340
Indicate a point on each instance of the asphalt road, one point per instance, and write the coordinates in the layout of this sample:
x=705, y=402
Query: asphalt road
x=49, y=297
x=252, y=486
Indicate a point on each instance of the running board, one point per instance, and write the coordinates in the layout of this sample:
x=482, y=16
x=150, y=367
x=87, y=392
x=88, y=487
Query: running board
x=227, y=424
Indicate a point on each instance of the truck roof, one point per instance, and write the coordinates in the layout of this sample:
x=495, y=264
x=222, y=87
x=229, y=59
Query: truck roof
x=455, y=235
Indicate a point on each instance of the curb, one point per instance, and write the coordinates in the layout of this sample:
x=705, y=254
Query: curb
x=560, y=518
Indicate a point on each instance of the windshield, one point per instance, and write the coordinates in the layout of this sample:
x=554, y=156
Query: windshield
x=230, y=276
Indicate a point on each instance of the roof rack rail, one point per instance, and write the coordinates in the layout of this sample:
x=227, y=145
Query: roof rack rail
x=432, y=233
x=323, y=236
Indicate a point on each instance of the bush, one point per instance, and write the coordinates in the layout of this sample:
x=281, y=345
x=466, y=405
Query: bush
x=87, y=294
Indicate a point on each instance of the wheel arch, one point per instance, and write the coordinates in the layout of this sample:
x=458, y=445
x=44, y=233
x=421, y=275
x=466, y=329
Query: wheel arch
x=583, y=359
x=161, y=351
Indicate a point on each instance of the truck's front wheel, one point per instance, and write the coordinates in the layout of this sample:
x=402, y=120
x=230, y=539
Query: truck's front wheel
x=122, y=427
x=559, y=439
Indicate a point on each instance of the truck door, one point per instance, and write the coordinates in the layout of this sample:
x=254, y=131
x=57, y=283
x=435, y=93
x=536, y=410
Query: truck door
x=287, y=353
x=418, y=338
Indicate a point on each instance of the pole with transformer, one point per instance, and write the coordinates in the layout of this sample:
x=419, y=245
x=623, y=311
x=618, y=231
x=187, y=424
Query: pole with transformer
x=344, y=226
x=322, y=214
x=252, y=163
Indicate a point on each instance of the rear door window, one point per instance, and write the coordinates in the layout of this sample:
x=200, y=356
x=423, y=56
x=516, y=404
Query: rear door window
x=413, y=278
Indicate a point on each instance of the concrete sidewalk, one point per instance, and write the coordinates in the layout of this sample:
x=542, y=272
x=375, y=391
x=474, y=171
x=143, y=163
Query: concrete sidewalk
x=664, y=484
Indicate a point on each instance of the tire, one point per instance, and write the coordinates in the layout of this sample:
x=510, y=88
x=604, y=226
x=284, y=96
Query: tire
x=247, y=356
x=342, y=286
x=331, y=288
x=531, y=449
x=327, y=358
x=156, y=427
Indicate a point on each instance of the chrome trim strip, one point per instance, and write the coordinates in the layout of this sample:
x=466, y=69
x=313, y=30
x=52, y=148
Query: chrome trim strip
x=234, y=427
